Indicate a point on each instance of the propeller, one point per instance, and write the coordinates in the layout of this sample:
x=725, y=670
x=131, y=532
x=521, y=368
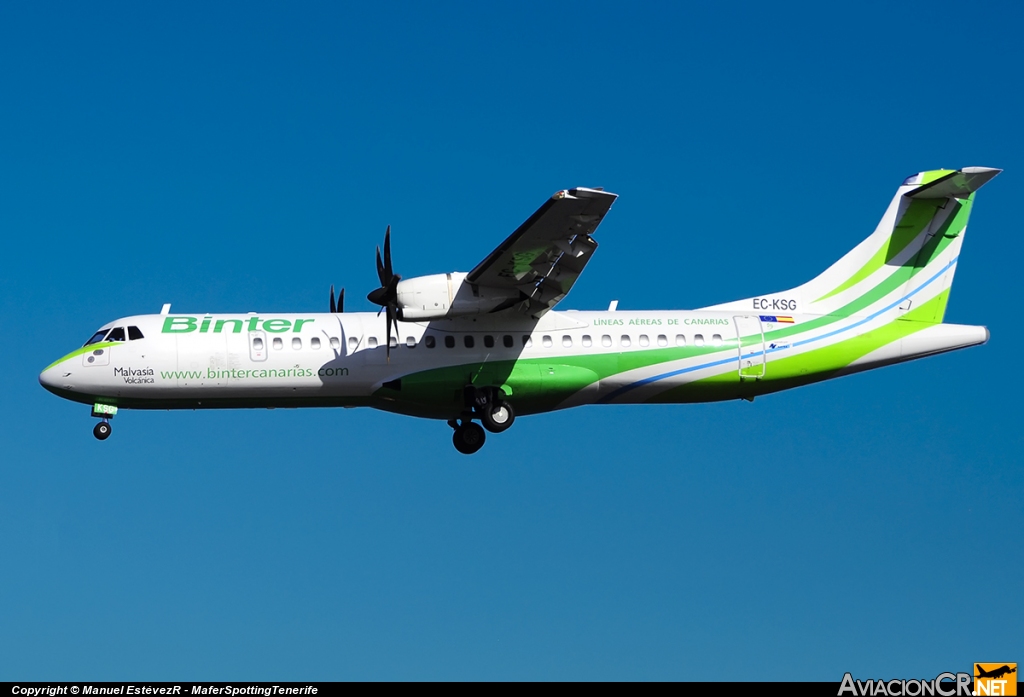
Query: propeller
x=387, y=295
x=340, y=305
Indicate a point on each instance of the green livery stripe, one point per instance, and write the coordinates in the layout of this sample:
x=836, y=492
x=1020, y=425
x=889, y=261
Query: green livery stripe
x=817, y=364
x=914, y=221
x=900, y=277
x=929, y=177
x=545, y=381
x=869, y=268
x=536, y=384
x=85, y=349
x=540, y=384
x=842, y=353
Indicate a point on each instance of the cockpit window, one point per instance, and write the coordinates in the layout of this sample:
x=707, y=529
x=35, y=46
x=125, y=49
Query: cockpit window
x=134, y=333
x=97, y=337
x=116, y=334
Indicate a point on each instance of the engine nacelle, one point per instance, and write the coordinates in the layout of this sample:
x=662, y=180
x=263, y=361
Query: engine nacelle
x=448, y=295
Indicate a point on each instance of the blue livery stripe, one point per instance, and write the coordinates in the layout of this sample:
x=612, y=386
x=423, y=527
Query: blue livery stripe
x=655, y=378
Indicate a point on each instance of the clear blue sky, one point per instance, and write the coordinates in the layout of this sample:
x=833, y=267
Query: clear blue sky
x=244, y=156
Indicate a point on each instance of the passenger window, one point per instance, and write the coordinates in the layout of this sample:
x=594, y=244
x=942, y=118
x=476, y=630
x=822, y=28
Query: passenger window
x=716, y=340
x=468, y=341
x=296, y=343
x=314, y=343
x=662, y=340
x=372, y=342
x=134, y=333
x=508, y=341
x=698, y=339
x=624, y=340
x=393, y=342
x=257, y=343
x=410, y=342
x=489, y=341
x=567, y=341
x=644, y=341
x=587, y=341
x=278, y=344
x=430, y=341
x=449, y=341
x=335, y=343
x=606, y=340
x=116, y=334
x=96, y=338
x=527, y=341
x=680, y=340
x=546, y=341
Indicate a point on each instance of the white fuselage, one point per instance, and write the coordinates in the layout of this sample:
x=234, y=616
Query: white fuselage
x=563, y=359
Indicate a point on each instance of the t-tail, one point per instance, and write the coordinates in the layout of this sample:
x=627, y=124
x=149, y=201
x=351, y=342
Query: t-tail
x=902, y=271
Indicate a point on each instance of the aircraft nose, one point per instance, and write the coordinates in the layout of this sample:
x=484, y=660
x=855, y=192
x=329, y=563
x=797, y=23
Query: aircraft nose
x=50, y=378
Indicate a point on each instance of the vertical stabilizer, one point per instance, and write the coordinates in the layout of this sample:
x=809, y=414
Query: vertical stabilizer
x=912, y=255
x=908, y=261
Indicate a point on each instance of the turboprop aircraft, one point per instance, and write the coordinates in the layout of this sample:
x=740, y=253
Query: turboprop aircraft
x=488, y=345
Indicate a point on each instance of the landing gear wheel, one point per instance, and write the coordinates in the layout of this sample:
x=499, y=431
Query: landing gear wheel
x=468, y=438
x=497, y=416
x=102, y=430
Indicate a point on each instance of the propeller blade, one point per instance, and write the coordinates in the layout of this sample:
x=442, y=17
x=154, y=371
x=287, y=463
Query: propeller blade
x=380, y=269
x=387, y=254
x=341, y=300
x=332, y=298
x=387, y=295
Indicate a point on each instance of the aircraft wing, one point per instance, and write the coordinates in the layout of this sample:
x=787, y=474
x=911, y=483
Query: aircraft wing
x=544, y=257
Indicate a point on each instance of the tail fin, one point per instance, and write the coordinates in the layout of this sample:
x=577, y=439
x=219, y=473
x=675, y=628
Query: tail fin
x=909, y=260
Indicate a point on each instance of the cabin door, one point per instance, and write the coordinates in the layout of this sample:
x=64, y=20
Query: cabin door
x=257, y=346
x=750, y=347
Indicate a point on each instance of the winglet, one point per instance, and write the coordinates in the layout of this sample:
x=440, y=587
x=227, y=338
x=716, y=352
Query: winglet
x=957, y=184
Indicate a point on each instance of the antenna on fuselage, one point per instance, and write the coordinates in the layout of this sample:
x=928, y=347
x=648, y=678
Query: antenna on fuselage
x=166, y=309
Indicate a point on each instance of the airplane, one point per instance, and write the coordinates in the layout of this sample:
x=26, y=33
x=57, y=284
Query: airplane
x=488, y=345
x=995, y=673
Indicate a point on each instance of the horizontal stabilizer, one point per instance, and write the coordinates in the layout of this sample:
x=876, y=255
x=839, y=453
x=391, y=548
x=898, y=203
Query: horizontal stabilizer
x=956, y=184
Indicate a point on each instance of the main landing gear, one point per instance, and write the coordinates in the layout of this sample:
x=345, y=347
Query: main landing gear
x=468, y=436
x=489, y=405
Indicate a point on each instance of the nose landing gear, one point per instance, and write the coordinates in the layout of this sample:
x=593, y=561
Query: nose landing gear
x=102, y=430
x=105, y=412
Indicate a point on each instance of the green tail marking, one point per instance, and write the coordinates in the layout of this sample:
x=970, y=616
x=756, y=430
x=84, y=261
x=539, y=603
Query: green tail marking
x=915, y=219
